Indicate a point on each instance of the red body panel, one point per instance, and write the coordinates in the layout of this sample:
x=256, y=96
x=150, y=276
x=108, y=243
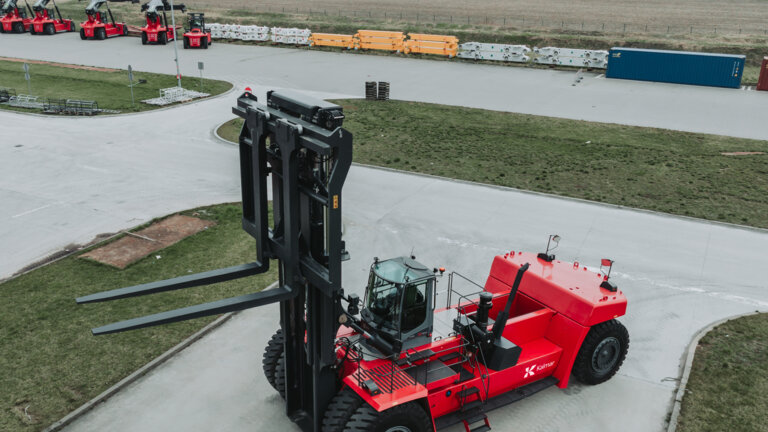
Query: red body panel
x=95, y=22
x=195, y=36
x=11, y=18
x=570, y=289
x=42, y=19
x=155, y=27
x=554, y=309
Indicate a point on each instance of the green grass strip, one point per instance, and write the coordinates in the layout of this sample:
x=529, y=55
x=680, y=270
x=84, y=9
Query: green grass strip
x=656, y=169
x=108, y=88
x=50, y=362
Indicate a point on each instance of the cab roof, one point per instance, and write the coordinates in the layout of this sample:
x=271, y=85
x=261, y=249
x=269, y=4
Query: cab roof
x=401, y=270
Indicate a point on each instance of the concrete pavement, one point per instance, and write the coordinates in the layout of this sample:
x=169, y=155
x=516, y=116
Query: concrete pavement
x=533, y=91
x=678, y=275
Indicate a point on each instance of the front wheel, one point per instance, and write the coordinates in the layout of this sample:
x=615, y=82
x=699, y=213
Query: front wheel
x=273, y=352
x=204, y=43
x=144, y=38
x=602, y=352
x=162, y=38
x=82, y=34
x=71, y=26
x=49, y=29
x=409, y=417
x=100, y=34
x=32, y=30
x=18, y=27
x=186, y=42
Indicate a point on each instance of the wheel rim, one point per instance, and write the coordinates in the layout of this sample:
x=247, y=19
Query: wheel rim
x=606, y=355
x=398, y=429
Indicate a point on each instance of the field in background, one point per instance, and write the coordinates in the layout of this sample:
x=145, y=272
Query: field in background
x=656, y=169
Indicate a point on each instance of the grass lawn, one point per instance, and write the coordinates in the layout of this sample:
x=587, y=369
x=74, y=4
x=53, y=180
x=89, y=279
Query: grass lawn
x=728, y=384
x=51, y=364
x=672, y=172
x=108, y=88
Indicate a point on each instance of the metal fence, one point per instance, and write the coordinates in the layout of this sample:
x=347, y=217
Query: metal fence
x=522, y=23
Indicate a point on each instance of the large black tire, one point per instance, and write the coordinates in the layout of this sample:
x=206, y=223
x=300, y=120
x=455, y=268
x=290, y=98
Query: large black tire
x=49, y=29
x=32, y=30
x=186, y=42
x=82, y=34
x=162, y=38
x=410, y=417
x=18, y=27
x=272, y=353
x=125, y=30
x=100, y=33
x=341, y=408
x=204, y=42
x=144, y=39
x=71, y=26
x=280, y=376
x=602, y=353
x=2, y=29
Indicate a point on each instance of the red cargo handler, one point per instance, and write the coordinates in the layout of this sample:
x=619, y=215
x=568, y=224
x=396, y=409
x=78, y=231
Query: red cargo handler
x=762, y=82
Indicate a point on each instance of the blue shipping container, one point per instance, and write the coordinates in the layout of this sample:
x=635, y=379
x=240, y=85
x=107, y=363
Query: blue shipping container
x=718, y=70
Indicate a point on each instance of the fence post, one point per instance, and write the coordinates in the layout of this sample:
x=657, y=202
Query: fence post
x=603, y=26
x=715, y=29
x=691, y=29
x=625, y=28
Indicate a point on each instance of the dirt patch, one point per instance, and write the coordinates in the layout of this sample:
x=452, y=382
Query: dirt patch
x=22, y=410
x=137, y=245
x=64, y=65
x=742, y=153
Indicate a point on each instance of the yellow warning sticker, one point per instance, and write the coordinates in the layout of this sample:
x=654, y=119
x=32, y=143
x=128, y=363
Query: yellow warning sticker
x=335, y=201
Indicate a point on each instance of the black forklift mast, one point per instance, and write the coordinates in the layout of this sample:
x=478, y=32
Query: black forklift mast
x=308, y=164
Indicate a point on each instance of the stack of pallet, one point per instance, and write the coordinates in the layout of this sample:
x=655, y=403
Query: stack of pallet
x=291, y=36
x=496, y=52
x=432, y=44
x=571, y=57
x=333, y=40
x=381, y=40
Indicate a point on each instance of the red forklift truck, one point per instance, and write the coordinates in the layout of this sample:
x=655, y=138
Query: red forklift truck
x=196, y=36
x=393, y=360
x=46, y=21
x=97, y=26
x=157, y=29
x=13, y=19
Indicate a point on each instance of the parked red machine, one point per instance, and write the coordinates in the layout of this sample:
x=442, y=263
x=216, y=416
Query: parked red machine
x=157, y=29
x=45, y=21
x=97, y=26
x=394, y=362
x=13, y=19
x=197, y=36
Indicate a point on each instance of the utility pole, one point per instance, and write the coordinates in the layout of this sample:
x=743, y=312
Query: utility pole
x=175, y=45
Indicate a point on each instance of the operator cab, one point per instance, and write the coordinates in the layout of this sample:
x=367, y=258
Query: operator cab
x=399, y=302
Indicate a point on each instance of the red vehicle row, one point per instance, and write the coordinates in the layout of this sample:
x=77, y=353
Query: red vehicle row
x=100, y=25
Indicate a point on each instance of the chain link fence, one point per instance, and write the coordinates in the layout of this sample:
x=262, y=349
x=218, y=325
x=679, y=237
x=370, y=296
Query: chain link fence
x=522, y=23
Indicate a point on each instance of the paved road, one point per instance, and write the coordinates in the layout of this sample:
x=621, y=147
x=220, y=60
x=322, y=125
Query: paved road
x=678, y=274
x=75, y=178
x=549, y=93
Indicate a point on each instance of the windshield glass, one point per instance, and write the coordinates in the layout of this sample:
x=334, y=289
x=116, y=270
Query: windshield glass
x=383, y=299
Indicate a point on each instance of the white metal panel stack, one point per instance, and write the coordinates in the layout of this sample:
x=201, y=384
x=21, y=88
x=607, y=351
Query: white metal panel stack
x=490, y=51
x=254, y=33
x=571, y=57
x=174, y=94
x=292, y=36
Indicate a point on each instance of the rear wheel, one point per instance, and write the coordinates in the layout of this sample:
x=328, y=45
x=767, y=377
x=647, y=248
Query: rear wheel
x=18, y=27
x=82, y=34
x=341, y=408
x=49, y=29
x=272, y=353
x=602, y=352
x=125, y=30
x=32, y=30
x=204, y=43
x=144, y=38
x=100, y=33
x=408, y=417
x=280, y=376
x=162, y=38
x=71, y=26
x=186, y=42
